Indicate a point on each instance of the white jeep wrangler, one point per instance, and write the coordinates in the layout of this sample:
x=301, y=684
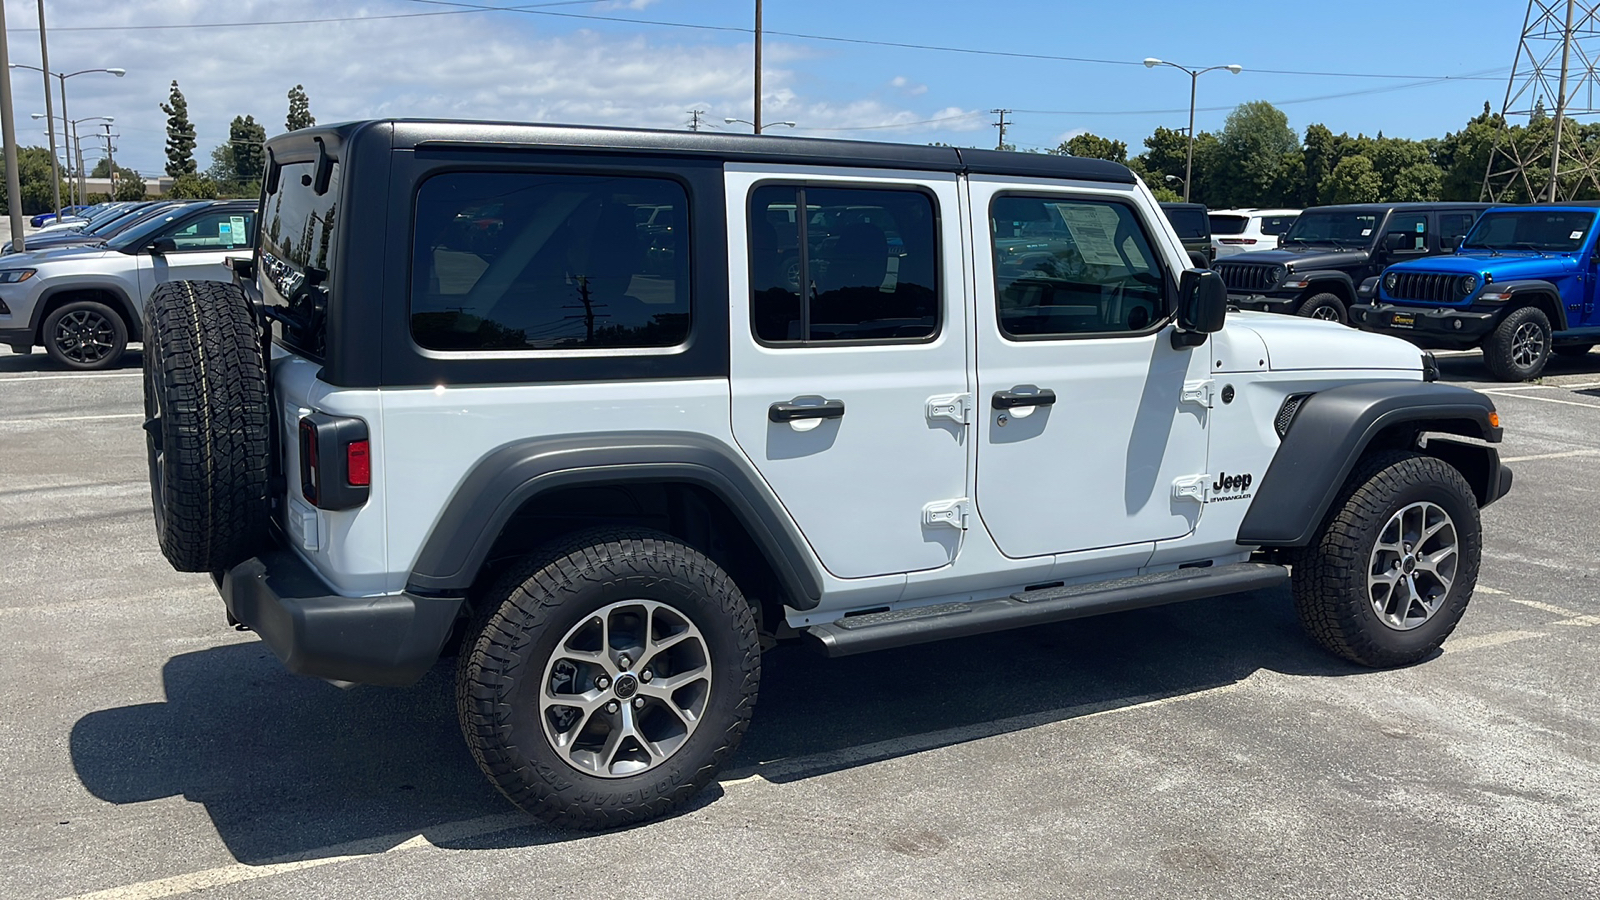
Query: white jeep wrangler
x=605, y=412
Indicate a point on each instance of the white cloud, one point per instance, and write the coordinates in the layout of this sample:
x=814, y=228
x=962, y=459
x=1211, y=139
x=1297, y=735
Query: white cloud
x=906, y=86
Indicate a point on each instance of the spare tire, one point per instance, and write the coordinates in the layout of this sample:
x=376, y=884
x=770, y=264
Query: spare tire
x=207, y=425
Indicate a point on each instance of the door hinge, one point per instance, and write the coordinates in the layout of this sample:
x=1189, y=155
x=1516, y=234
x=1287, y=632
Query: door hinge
x=1198, y=392
x=1191, y=486
x=946, y=512
x=955, y=407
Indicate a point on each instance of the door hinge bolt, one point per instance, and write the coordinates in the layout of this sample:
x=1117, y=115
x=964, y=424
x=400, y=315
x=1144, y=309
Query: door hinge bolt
x=946, y=512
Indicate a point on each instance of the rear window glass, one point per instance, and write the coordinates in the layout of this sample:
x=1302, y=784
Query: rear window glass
x=1276, y=224
x=538, y=261
x=297, y=234
x=1190, y=223
x=1229, y=224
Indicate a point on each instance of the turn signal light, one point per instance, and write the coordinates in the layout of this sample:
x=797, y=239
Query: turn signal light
x=1494, y=420
x=358, y=463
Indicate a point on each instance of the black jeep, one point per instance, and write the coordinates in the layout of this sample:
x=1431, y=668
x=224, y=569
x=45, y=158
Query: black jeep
x=1332, y=256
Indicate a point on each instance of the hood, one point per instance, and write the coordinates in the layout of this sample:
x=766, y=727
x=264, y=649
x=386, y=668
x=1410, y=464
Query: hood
x=54, y=254
x=1304, y=259
x=1296, y=343
x=1503, y=265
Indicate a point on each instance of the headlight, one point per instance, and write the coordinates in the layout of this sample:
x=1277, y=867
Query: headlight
x=1390, y=279
x=14, y=276
x=1276, y=274
x=1469, y=283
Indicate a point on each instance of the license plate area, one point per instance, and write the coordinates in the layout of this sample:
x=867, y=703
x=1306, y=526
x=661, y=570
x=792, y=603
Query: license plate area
x=1403, y=320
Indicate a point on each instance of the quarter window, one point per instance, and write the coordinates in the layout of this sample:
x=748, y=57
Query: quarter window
x=538, y=261
x=842, y=264
x=1454, y=225
x=1072, y=267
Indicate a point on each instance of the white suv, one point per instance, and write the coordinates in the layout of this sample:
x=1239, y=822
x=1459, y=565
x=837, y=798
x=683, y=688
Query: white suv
x=1235, y=231
x=555, y=401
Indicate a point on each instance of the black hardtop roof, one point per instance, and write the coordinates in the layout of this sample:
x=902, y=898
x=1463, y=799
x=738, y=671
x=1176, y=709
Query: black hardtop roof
x=1565, y=204
x=1402, y=207
x=404, y=134
x=1183, y=204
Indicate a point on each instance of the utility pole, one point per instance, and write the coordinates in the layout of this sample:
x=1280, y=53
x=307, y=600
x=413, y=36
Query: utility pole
x=1561, y=106
x=694, y=119
x=8, y=135
x=1002, y=113
x=49, y=111
x=111, y=161
x=757, y=116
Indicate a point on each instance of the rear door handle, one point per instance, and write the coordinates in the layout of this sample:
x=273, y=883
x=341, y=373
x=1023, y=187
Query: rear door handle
x=791, y=411
x=1013, y=399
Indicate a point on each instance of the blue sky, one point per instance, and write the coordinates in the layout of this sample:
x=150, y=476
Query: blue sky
x=579, y=62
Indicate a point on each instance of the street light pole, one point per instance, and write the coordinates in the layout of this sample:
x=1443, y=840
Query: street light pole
x=731, y=120
x=757, y=116
x=8, y=136
x=1194, y=81
x=49, y=110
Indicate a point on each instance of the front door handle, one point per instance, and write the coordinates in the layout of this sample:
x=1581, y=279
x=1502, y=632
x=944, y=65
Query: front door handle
x=1013, y=399
x=790, y=412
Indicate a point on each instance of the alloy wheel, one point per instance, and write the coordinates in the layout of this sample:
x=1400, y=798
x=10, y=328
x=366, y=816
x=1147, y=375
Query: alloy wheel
x=1527, y=345
x=84, y=336
x=1413, y=565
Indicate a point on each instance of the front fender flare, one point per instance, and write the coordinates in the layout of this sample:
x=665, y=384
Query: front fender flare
x=1331, y=431
x=1320, y=279
x=1521, y=291
x=508, y=477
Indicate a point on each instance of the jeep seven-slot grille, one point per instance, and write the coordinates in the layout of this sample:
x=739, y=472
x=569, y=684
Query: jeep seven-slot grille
x=1429, y=287
x=1246, y=276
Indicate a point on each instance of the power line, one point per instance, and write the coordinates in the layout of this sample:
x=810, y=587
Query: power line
x=179, y=26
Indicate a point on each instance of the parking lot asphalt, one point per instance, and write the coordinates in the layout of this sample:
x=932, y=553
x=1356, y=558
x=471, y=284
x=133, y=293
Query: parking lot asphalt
x=1201, y=750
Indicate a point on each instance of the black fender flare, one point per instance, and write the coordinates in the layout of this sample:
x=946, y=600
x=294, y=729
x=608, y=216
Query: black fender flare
x=1522, y=292
x=1333, y=428
x=1320, y=279
x=129, y=313
x=511, y=475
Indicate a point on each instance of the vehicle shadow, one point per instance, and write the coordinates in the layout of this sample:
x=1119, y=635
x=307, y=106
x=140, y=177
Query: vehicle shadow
x=40, y=362
x=289, y=766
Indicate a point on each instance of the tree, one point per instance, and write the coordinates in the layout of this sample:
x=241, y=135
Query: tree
x=221, y=168
x=299, y=110
x=33, y=175
x=180, y=134
x=130, y=186
x=1254, y=149
x=1093, y=146
x=246, y=136
x=190, y=186
x=1353, y=180
x=1421, y=181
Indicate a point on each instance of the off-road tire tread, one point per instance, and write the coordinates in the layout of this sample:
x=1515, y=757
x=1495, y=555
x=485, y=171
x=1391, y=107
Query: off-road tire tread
x=513, y=612
x=1315, y=300
x=1497, y=346
x=204, y=354
x=1328, y=578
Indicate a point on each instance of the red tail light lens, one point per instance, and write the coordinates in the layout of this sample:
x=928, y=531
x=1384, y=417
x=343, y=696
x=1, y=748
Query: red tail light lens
x=358, y=462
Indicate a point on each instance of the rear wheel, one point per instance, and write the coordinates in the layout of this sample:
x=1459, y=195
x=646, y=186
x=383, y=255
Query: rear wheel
x=1519, y=346
x=1327, y=307
x=610, y=675
x=85, y=334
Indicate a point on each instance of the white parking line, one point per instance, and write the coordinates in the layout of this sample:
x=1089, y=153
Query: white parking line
x=1545, y=399
x=1562, y=455
x=77, y=376
x=26, y=419
x=1494, y=639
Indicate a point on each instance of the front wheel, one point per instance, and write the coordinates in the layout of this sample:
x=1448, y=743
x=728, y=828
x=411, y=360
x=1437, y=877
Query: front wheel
x=1327, y=307
x=1389, y=574
x=1519, y=346
x=85, y=334
x=612, y=675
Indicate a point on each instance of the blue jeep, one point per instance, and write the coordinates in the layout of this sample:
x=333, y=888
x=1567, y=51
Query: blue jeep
x=1521, y=286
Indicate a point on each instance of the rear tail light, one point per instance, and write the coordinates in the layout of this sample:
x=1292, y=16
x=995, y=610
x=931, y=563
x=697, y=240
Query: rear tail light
x=1238, y=240
x=335, y=461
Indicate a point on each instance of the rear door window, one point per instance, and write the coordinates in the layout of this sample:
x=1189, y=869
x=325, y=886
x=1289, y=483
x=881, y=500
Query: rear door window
x=298, y=230
x=1229, y=224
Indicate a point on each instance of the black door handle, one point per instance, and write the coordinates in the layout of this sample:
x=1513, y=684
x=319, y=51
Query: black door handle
x=1012, y=399
x=789, y=412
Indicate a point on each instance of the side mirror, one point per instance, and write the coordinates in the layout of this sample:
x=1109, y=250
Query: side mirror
x=1396, y=241
x=1202, y=307
x=1454, y=243
x=1199, y=260
x=162, y=245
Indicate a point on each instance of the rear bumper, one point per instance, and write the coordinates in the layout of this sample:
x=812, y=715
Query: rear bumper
x=1442, y=328
x=392, y=639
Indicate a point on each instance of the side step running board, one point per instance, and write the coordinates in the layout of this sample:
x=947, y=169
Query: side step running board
x=903, y=627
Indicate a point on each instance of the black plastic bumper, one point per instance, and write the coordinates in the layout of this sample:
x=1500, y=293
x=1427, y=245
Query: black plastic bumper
x=1501, y=484
x=1444, y=328
x=17, y=337
x=1264, y=302
x=392, y=639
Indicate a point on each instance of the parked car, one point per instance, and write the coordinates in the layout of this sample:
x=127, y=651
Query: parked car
x=1194, y=229
x=1235, y=231
x=84, y=304
x=1331, y=256
x=1522, y=286
x=44, y=219
x=607, y=484
x=89, y=216
x=99, y=230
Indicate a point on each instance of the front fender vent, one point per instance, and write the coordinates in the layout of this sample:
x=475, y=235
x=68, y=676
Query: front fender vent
x=1286, y=412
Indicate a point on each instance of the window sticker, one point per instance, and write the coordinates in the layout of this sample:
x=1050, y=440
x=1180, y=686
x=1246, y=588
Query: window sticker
x=1421, y=228
x=1366, y=232
x=1092, y=229
x=1575, y=235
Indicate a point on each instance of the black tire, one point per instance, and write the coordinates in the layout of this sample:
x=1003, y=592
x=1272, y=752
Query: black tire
x=1519, y=346
x=1330, y=576
x=1572, y=351
x=84, y=335
x=206, y=424
x=1324, y=306
x=535, y=608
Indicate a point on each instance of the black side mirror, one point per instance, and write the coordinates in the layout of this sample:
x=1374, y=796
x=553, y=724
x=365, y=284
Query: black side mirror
x=1396, y=241
x=1199, y=260
x=1454, y=243
x=1202, y=307
x=162, y=245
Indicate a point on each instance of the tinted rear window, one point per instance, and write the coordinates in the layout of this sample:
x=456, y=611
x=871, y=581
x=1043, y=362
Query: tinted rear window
x=1276, y=224
x=1228, y=224
x=1191, y=224
x=297, y=235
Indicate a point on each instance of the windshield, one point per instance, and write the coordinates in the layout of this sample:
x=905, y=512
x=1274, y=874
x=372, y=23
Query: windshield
x=1189, y=222
x=1342, y=228
x=1229, y=224
x=1553, y=230
x=136, y=237
x=119, y=219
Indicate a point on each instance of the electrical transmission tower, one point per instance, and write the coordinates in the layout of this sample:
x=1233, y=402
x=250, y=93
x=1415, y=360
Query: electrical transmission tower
x=1557, y=65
